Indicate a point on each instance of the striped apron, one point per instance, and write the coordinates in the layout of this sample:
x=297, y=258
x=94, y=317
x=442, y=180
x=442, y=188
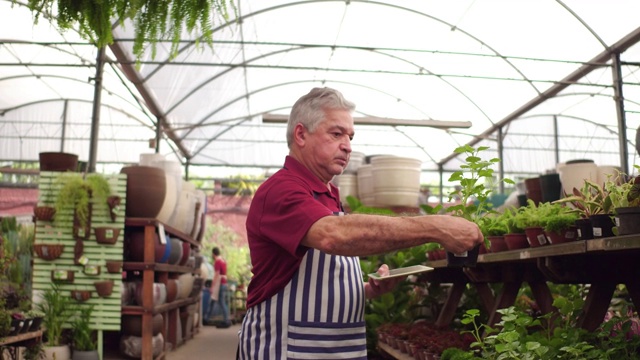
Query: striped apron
x=318, y=315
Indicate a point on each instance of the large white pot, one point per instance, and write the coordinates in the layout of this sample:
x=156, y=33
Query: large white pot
x=62, y=352
x=574, y=175
x=396, y=180
x=348, y=185
x=365, y=185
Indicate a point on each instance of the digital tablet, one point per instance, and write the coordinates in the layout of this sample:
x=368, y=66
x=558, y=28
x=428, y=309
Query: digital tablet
x=409, y=270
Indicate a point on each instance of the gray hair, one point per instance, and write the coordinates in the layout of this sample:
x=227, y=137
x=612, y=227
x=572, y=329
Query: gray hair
x=309, y=110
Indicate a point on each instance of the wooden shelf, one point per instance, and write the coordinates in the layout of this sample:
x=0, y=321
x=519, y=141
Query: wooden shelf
x=10, y=340
x=141, y=222
x=140, y=266
x=139, y=310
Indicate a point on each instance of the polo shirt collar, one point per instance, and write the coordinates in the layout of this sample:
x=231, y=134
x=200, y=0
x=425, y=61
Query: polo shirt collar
x=317, y=185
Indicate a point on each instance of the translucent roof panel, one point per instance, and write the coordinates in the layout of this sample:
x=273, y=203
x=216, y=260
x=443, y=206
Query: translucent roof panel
x=543, y=72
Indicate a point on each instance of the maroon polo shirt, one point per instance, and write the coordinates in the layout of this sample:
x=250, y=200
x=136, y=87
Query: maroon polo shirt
x=281, y=212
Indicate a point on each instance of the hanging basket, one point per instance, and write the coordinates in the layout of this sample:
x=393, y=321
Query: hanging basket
x=114, y=202
x=114, y=267
x=48, y=251
x=80, y=295
x=44, y=213
x=106, y=235
x=104, y=288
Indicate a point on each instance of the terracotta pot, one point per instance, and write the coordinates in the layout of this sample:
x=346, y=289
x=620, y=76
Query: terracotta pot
x=58, y=161
x=172, y=289
x=563, y=236
x=106, y=235
x=146, y=190
x=536, y=237
x=48, y=251
x=114, y=267
x=516, y=241
x=132, y=324
x=104, y=288
x=134, y=246
x=534, y=192
x=159, y=294
x=80, y=295
x=497, y=244
x=44, y=213
x=113, y=202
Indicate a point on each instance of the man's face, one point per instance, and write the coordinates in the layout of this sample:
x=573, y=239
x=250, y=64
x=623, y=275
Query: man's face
x=328, y=148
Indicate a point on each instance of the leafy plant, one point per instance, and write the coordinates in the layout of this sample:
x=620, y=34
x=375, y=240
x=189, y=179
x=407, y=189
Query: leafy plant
x=34, y=351
x=591, y=199
x=76, y=193
x=474, y=195
x=82, y=334
x=53, y=305
x=153, y=20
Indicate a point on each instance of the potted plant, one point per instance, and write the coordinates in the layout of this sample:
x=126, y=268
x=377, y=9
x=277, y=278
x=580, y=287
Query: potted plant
x=83, y=337
x=560, y=226
x=36, y=317
x=54, y=305
x=494, y=228
x=75, y=193
x=474, y=195
x=592, y=202
x=515, y=238
x=625, y=198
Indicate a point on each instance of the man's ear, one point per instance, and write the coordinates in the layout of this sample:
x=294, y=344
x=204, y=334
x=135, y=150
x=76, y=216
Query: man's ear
x=300, y=134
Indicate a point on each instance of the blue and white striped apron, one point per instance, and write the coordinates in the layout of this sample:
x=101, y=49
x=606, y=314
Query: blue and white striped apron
x=318, y=315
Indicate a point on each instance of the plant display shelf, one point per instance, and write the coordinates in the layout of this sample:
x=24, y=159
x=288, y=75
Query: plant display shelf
x=155, y=272
x=18, y=340
x=106, y=314
x=603, y=263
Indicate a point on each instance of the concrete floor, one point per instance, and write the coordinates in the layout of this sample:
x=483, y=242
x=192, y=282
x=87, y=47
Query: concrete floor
x=209, y=343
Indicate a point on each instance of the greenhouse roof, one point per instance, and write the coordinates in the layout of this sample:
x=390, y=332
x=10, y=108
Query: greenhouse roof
x=539, y=82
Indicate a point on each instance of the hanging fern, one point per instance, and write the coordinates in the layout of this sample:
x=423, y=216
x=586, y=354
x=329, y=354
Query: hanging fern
x=154, y=20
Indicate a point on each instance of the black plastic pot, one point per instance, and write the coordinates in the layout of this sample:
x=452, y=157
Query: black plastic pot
x=628, y=220
x=602, y=225
x=585, y=230
x=468, y=259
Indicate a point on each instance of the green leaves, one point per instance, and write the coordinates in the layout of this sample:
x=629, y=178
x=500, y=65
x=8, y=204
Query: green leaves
x=154, y=20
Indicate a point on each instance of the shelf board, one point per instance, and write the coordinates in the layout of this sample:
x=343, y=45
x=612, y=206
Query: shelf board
x=21, y=337
x=147, y=221
x=139, y=310
x=140, y=266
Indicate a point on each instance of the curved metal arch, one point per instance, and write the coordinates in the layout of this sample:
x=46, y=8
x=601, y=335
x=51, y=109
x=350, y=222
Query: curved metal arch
x=232, y=101
x=113, y=93
x=306, y=47
x=243, y=17
x=3, y=112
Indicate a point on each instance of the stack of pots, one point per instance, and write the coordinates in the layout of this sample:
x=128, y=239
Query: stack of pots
x=347, y=182
x=396, y=180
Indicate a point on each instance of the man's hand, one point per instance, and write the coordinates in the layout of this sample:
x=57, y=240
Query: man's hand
x=375, y=288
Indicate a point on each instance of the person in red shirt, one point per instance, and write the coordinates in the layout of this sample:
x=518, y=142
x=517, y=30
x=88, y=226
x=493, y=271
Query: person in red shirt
x=306, y=298
x=219, y=288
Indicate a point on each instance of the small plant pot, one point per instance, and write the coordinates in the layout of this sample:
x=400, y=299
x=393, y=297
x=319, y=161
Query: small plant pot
x=114, y=267
x=497, y=244
x=62, y=276
x=585, y=229
x=106, y=235
x=48, y=252
x=536, y=237
x=562, y=236
x=516, y=241
x=602, y=225
x=80, y=295
x=81, y=232
x=628, y=220
x=91, y=270
x=104, y=288
x=16, y=326
x=467, y=259
x=114, y=202
x=44, y=213
x=36, y=322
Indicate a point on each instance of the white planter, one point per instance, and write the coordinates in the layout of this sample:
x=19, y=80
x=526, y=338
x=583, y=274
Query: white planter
x=365, y=185
x=396, y=180
x=348, y=185
x=62, y=352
